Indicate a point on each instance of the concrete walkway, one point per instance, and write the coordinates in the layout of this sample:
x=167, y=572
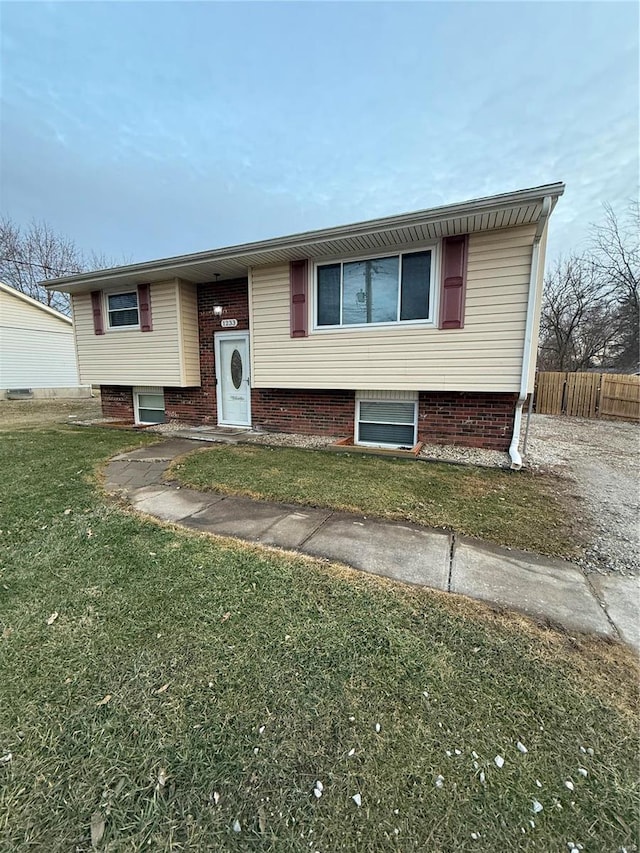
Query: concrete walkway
x=553, y=591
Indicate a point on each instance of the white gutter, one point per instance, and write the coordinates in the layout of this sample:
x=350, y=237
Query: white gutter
x=514, y=453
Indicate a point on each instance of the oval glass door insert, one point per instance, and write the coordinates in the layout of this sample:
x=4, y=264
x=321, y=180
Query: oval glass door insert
x=236, y=368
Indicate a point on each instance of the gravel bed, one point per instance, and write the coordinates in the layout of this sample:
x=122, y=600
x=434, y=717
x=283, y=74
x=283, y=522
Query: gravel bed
x=171, y=427
x=439, y=452
x=601, y=461
x=444, y=453
x=285, y=439
x=448, y=453
x=273, y=439
x=466, y=455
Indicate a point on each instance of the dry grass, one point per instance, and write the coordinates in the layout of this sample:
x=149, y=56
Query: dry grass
x=520, y=510
x=199, y=643
x=37, y=414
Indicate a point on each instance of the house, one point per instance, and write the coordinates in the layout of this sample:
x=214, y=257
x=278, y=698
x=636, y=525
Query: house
x=422, y=326
x=37, y=352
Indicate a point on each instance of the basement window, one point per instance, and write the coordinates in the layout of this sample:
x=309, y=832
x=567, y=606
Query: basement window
x=149, y=405
x=386, y=423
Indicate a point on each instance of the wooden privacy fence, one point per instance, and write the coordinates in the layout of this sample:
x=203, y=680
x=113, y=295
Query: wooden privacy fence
x=588, y=395
x=620, y=396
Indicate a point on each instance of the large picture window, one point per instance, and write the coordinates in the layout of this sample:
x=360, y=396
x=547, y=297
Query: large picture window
x=391, y=289
x=123, y=309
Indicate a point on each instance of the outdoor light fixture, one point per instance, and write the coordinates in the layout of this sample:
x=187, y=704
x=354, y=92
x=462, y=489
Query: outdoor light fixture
x=217, y=309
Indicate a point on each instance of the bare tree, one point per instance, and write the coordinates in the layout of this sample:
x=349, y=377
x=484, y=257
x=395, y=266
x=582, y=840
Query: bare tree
x=616, y=259
x=36, y=253
x=578, y=327
x=590, y=308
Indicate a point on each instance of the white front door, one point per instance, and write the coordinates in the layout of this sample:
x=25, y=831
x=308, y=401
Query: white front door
x=232, y=374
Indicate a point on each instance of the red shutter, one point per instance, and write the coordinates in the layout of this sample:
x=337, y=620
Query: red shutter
x=298, y=285
x=454, y=281
x=144, y=307
x=96, y=305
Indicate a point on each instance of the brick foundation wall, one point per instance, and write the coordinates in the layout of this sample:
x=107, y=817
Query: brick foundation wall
x=465, y=418
x=198, y=405
x=117, y=402
x=472, y=419
x=305, y=411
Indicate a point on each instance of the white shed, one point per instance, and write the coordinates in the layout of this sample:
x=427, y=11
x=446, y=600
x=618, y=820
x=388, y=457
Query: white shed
x=37, y=350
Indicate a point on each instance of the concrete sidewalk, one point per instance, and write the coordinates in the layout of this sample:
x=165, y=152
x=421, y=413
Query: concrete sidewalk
x=553, y=591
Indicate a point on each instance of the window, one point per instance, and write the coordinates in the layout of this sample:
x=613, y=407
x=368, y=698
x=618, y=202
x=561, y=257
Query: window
x=393, y=289
x=386, y=422
x=149, y=405
x=122, y=309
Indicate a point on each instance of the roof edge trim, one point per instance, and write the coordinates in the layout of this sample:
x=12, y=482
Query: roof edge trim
x=12, y=291
x=293, y=241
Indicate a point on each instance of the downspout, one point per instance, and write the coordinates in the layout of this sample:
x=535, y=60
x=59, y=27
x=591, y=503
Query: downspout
x=516, y=459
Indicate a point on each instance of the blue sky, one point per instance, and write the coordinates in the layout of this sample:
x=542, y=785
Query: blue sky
x=144, y=130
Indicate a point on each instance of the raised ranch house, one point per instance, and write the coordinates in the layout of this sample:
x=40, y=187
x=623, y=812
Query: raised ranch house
x=418, y=327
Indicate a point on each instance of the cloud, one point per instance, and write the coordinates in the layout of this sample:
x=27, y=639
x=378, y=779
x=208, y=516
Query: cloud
x=162, y=140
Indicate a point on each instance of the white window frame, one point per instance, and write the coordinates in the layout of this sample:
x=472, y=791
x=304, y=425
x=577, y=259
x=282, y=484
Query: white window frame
x=108, y=325
x=136, y=402
x=391, y=252
x=390, y=399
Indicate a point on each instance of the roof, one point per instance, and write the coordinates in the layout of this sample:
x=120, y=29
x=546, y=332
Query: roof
x=498, y=211
x=5, y=288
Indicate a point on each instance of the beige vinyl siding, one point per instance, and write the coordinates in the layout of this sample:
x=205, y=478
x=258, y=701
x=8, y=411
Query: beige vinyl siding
x=132, y=357
x=189, y=335
x=401, y=396
x=36, y=347
x=484, y=356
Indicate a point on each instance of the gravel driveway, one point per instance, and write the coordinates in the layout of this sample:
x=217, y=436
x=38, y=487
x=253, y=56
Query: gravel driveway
x=602, y=458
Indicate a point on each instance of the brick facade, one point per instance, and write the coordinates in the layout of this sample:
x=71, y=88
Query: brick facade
x=198, y=405
x=473, y=419
x=479, y=419
x=306, y=411
x=117, y=402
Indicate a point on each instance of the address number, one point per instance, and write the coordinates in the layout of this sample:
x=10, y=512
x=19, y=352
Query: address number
x=229, y=324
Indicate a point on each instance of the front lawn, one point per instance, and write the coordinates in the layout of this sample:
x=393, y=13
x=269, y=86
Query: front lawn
x=184, y=693
x=521, y=510
x=38, y=413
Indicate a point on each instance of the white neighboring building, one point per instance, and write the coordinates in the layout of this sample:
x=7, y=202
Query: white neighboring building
x=37, y=350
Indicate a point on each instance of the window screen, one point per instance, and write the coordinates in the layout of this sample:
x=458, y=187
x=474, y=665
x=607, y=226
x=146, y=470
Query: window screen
x=414, y=291
x=329, y=295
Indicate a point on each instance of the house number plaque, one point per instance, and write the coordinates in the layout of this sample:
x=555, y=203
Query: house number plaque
x=228, y=324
